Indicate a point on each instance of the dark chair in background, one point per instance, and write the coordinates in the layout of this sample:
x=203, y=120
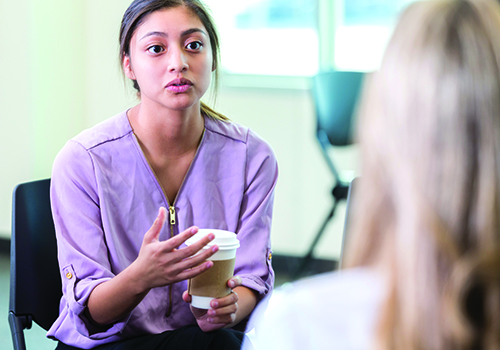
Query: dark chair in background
x=35, y=282
x=335, y=95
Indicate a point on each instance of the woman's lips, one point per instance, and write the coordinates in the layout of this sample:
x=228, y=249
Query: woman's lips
x=178, y=88
x=179, y=85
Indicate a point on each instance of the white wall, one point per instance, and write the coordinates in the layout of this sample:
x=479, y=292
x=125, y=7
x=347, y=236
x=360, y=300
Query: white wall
x=285, y=118
x=57, y=64
x=15, y=143
x=59, y=74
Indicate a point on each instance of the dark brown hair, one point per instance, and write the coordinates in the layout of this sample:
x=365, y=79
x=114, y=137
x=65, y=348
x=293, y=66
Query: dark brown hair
x=137, y=12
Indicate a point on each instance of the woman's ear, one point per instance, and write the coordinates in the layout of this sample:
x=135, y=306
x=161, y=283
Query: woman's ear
x=127, y=67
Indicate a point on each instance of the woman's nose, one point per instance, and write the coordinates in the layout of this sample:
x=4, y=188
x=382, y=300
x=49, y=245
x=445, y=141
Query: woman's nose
x=177, y=61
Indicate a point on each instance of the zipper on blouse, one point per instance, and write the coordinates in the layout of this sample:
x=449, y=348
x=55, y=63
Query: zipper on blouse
x=172, y=219
x=171, y=209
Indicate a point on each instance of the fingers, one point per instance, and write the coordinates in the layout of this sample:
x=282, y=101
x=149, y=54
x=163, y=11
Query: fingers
x=192, y=255
x=195, y=271
x=186, y=296
x=224, y=319
x=154, y=232
x=234, y=282
x=223, y=309
x=177, y=240
x=230, y=299
x=165, y=264
x=185, y=263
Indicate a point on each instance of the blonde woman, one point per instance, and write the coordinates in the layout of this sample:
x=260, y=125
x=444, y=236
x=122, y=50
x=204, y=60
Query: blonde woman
x=424, y=252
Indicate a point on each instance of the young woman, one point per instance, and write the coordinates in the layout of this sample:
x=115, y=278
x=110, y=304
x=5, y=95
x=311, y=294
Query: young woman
x=171, y=162
x=425, y=245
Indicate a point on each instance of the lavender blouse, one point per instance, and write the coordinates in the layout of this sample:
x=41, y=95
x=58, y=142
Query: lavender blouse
x=105, y=197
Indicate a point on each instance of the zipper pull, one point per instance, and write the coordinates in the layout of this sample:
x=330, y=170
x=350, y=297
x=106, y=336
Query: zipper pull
x=172, y=215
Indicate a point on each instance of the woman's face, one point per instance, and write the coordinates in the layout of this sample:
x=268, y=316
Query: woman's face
x=171, y=59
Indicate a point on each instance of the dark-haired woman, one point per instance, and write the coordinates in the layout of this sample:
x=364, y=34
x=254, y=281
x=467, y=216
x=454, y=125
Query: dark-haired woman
x=171, y=162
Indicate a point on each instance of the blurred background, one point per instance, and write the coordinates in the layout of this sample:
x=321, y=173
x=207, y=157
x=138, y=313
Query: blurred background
x=59, y=74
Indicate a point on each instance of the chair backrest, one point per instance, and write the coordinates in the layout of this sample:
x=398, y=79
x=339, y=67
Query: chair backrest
x=335, y=95
x=348, y=218
x=35, y=282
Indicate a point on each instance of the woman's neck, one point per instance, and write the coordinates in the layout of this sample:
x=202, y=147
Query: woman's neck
x=167, y=132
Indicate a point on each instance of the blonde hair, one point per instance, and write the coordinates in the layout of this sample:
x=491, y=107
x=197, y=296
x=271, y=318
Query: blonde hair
x=429, y=195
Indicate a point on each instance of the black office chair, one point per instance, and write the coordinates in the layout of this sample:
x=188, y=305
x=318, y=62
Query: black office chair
x=35, y=282
x=335, y=95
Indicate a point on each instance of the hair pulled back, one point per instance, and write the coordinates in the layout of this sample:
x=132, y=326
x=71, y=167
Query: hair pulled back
x=138, y=11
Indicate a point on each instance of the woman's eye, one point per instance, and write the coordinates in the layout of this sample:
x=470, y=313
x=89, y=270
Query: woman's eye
x=156, y=49
x=194, y=45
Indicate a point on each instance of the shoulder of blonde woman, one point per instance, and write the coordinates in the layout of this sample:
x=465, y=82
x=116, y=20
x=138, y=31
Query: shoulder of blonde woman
x=333, y=310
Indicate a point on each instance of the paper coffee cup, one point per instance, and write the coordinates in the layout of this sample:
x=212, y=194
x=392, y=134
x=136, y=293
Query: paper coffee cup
x=212, y=283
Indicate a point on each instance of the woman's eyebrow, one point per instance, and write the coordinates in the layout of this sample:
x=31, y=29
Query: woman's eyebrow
x=165, y=35
x=162, y=34
x=193, y=30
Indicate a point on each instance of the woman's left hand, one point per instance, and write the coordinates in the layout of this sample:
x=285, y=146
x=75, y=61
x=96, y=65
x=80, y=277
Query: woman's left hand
x=223, y=311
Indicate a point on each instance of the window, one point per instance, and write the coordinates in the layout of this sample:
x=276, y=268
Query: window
x=267, y=37
x=281, y=37
x=364, y=31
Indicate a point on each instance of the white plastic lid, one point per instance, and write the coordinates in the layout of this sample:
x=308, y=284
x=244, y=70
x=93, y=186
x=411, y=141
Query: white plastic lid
x=225, y=240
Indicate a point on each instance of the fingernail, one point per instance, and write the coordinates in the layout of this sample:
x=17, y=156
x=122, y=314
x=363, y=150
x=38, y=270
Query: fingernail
x=231, y=283
x=214, y=304
x=211, y=236
x=211, y=312
x=215, y=248
x=194, y=230
x=211, y=320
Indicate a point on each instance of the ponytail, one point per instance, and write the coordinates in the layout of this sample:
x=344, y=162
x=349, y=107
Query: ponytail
x=209, y=112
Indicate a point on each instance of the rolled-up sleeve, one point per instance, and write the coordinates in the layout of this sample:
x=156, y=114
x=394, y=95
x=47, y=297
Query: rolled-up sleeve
x=82, y=249
x=253, y=261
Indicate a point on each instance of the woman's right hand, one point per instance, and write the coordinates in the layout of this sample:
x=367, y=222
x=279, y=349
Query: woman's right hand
x=160, y=263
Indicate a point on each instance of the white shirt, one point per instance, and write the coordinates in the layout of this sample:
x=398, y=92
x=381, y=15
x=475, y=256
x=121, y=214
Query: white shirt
x=335, y=310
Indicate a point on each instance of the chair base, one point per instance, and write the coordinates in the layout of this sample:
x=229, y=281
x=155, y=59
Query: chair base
x=17, y=326
x=339, y=193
